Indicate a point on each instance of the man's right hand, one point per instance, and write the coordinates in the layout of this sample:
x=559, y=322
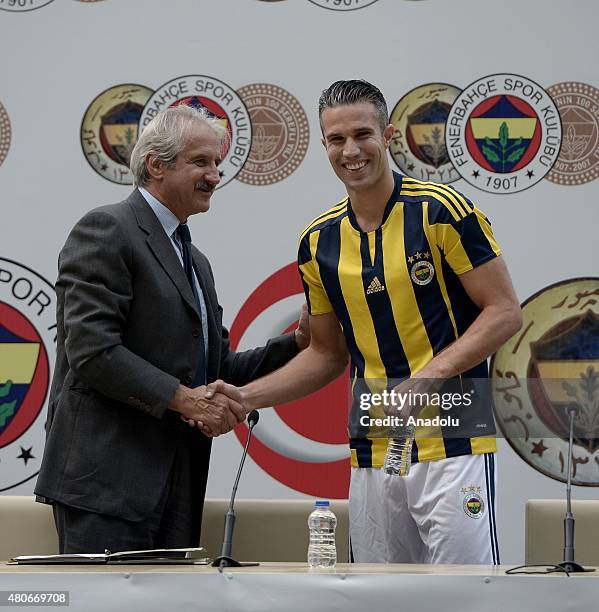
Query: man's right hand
x=215, y=414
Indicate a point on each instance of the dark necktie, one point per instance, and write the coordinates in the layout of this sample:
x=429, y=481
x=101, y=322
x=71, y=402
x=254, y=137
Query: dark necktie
x=185, y=238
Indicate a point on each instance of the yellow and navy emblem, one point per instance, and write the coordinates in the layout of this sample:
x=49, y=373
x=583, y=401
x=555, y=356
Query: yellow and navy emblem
x=418, y=145
x=549, y=367
x=503, y=133
x=422, y=270
x=109, y=130
x=473, y=505
x=27, y=354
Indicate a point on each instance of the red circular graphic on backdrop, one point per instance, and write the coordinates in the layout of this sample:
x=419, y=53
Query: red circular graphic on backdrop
x=313, y=417
x=15, y=323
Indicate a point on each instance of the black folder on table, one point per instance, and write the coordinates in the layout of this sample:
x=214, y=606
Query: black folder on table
x=183, y=556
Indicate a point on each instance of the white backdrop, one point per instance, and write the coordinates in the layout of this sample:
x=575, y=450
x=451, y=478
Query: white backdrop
x=58, y=57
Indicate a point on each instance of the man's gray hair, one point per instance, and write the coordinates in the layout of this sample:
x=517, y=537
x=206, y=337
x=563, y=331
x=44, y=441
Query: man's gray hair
x=354, y=92
x=165, y=137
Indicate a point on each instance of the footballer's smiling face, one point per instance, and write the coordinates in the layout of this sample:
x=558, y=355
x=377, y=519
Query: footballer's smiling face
x=356, y=144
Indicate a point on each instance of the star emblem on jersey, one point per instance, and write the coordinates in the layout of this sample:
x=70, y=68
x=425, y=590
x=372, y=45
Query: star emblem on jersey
x=471, y=489
x=473, y=505
x=375, y=286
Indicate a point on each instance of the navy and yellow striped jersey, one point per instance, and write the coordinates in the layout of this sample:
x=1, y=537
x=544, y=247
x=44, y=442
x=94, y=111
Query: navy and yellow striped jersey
x=397, y=295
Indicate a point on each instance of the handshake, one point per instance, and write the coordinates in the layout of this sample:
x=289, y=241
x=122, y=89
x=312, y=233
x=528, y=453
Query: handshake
x=214, y=409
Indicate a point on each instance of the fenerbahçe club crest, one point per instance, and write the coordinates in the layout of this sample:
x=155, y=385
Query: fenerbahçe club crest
x=222, y=103
x=27, y=355
x=109, y=130
x=503, y=133
x=545, y=370
x=418, y=145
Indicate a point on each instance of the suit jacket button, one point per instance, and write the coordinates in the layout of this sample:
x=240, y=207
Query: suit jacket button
x=196, y=332
x=187, y=380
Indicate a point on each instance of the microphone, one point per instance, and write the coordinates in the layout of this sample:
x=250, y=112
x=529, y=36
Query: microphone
x=225, y=559
x=253, y=418
x=569, y=565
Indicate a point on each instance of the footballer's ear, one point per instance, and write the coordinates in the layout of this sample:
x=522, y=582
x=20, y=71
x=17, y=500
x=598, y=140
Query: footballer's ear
x=388, y=134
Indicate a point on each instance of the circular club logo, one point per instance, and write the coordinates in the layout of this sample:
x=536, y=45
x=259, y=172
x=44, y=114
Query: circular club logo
x=303, y=444
x=543, y=371
x=109, y=130
x=280, y=134
x=222, y=102
x=503, y=133
x=22, y=5
x=343, y=5
x=473, y=505
x=418, y=145
x=5, y=133
x=578, y=106
x=27, y=353
x=422, y=272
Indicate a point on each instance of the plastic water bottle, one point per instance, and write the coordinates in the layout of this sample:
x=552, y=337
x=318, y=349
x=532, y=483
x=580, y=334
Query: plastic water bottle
x=322, y=551
x=399, y=452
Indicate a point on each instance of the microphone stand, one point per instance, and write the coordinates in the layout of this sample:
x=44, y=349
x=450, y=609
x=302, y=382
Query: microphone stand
x=225, y=559
x=568, y=564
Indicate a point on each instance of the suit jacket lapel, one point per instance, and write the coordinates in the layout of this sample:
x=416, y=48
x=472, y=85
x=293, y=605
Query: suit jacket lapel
x=161, y=246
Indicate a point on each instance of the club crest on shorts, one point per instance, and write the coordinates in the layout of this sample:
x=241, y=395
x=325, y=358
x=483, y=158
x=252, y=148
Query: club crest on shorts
x=503, y=133
x=27, y=355
x=473, y=503
x=109, y=130
x=280, y=134
x=548, y=368
x=22, y=6
x=422, y=270
x=343, y=5
x=418, y=145
x=578, y=161
x=5, y=133
x=222, y=103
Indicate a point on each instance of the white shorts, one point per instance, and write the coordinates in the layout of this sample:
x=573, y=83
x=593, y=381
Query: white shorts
x=441, y=512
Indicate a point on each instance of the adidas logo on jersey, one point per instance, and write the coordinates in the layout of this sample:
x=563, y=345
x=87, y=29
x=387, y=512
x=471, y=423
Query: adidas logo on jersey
x=375, y=286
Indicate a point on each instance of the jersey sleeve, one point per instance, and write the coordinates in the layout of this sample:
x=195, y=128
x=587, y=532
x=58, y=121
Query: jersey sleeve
x=316, y=296
x=464, y=236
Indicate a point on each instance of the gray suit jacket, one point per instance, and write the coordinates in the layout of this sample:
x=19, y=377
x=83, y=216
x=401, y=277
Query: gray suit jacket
x=128, y=334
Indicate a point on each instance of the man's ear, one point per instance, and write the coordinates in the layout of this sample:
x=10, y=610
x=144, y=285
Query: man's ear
x=388, y=134
x=154, y=166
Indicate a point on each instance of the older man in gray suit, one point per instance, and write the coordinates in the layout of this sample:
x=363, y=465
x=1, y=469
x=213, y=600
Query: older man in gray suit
x=139, y=335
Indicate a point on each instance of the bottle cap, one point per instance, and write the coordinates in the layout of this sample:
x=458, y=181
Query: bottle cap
x=322, y=503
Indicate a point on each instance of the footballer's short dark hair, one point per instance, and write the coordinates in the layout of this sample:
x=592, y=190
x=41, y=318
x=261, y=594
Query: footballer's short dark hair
x=353, y=92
